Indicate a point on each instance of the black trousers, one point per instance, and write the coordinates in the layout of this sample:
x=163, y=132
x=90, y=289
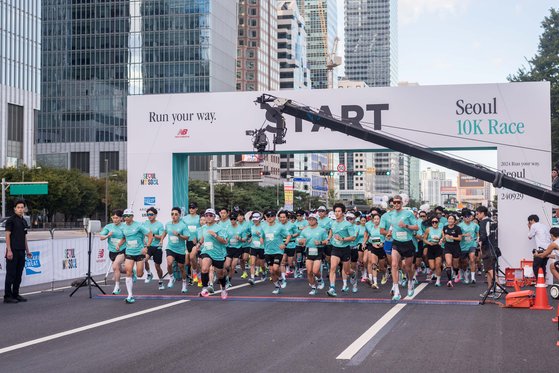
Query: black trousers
x=14, y=270
x=540, y=263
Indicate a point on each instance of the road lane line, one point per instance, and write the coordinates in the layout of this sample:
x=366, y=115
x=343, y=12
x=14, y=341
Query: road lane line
x=358, y=344
x=88, y=327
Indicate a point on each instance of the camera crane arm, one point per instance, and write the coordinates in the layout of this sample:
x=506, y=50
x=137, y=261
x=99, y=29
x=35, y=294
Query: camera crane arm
x=277, y=107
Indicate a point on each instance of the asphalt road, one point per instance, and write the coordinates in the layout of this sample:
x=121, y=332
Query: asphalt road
x=440, y=330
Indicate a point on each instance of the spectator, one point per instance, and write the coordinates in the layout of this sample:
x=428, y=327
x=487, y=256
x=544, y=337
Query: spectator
x=539, y=234
x=555, y=180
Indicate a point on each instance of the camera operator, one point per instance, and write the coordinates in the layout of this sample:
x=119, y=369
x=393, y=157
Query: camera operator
x=552, y=248
x=488, y=255
x=539, y=233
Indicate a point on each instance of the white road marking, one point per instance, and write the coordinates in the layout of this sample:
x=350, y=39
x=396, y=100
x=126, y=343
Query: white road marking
x=354, y=348
x=88, y=327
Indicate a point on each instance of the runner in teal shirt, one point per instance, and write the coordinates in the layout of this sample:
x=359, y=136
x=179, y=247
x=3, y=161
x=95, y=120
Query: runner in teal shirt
x=275, y=238
x=468, y=246
x=134, y=233
x=177, y=234
x=313, y=238
x=256, y=247
x=289, y=252
x=213, y=239
x=155, y=251
x=192, y=222
x=342, y=236
x=236, y=236
x=113, y=233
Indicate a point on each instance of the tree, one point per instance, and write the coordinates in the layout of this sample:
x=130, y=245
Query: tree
x=544, y=66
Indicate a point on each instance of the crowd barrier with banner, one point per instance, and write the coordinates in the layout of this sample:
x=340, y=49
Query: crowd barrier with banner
x=59, y=259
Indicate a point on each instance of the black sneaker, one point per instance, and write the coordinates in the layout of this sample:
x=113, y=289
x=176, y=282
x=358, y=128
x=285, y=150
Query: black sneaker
x=19, y=298
x=10, y=300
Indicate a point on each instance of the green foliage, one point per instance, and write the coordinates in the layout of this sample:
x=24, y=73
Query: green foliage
x=544, y=66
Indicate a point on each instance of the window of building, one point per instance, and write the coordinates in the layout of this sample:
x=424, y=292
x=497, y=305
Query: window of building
x=108, y=162
x=80, y=161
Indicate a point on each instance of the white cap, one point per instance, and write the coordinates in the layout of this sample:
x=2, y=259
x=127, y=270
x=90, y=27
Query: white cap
x=331, y=215
x=313, y=216
x=350, y=215
x=321, y=208
x=128, y=212
x=256, y=216
x=210, y=211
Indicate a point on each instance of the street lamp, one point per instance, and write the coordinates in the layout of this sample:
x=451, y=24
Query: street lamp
x=107, y=190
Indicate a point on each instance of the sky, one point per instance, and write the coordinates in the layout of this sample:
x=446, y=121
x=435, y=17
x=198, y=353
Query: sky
x=444, y=42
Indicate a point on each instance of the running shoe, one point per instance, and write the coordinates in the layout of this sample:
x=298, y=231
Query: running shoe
x=251, y=281
x=353, y=278
x=204, y=293
x=488, y=292
x=276, y=290
x=438, y=284
x=320, y=285
x=411, y=290
x=288, y=273
x=313, y=291
x=345, y=289
x=244, y=275
x=457, y=278
x=466, y=279
x=332, y=292
x=116, y=291
x=184, y=289
x=195, y=278
x=364, y=279
x=473, y=281
x=171, y=283
x=374, y=285
x=200, y=283
x=354, y=288
x=404, y=282
x=224, y=294
x=130, y=300
x=384, y=279
x=415, y=282
x=211, y=289
x=396, y=297
x=283, y=283
x=161, y=286
x=149, y=277
x=449, y=284
x=228, y=285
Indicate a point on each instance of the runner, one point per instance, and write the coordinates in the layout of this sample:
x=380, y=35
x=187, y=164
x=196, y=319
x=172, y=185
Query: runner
x=178, y=234
x=342, y=235
x=275, y=238
x=432, y=238
x=113, y=232
x=256, y=248
x=386, y=231
x=134, y=234
x=213, y=240
x=236, y=237
x=452, y=238
x=192, y=222
x=154, y=250
x=356, y=253
x=375, y=252
x=289, y=253
x=361, y=246
x=325, y=222
x=301, y=223
x=403, y=225
x=313, y=238
x=245, y=244
x=468, y=246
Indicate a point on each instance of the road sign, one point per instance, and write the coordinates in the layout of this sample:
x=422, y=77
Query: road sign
x=302, y=179
x=341, y=167
x=29, y=189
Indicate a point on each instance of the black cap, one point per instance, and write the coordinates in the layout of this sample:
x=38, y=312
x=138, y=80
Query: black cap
x=192, y=205
x=269, y=213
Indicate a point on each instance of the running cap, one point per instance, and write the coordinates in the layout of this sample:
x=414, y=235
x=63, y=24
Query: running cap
x=193, y=205
x=321, y=208
x=313, y=216
x=350, y=215
x=128, y=212
x=210, y=211
x=256, y=216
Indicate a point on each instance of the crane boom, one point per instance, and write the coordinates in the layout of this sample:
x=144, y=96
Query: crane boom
x=279, y=106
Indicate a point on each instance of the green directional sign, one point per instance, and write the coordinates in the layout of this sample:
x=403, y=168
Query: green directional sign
x=29, y=189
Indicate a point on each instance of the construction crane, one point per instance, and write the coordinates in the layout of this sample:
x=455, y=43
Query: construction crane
x=331, y=59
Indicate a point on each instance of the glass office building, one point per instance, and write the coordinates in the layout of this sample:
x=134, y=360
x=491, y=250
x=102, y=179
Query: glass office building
x=20, y=66
x=97, y=52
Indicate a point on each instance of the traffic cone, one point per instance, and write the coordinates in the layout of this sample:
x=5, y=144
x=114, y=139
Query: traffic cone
x=541, y=303
x=556, y=318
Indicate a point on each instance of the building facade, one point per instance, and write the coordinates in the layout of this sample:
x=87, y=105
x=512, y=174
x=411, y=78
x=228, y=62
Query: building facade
x=20, y=80
x=431, y=183
x=96, y=53
x=371, y=41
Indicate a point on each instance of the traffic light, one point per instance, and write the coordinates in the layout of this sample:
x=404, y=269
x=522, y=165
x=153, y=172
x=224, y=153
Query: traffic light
x=388, y=173
x=359, y=173
x=332, y=173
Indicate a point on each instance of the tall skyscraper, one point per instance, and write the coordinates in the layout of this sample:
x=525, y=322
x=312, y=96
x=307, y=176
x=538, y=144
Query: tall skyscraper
x=321, y=24
x=95, y=53
x=415, y=192
x=371, y=41
x=431, y=183
x=20, y=74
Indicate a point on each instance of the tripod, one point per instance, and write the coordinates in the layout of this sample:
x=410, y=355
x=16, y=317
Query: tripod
x=495, y=285
x=88, y=279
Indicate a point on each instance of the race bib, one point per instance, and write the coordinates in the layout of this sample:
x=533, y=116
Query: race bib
x=233, y=241
x=256, y=243
x=208, y=245
x=132, y=243
x=270, y=236
x=192, y=228
x=376, y=240
x=313, y=251
x=468, y=239
x=401, y=235
x=435, y=238
x=338, y=242
x=115, y=241
x=173, y=239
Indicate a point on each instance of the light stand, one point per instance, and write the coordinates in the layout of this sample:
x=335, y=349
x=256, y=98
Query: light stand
x=93, y=226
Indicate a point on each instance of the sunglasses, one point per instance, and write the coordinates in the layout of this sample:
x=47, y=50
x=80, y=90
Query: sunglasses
x=422, y=216
x=209, y=215
x=397, y=202
x=434, y=221
x=151, y=214
x=174, y=214
x=349, y=218
x=127, y=216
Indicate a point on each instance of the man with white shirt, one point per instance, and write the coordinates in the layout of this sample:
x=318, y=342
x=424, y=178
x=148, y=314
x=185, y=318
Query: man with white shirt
x=539, y=234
